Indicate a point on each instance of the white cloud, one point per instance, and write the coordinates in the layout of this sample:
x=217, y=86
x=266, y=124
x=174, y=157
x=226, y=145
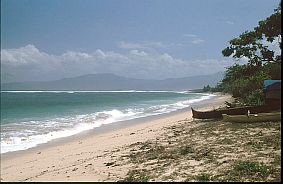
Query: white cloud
x=28, y=63
x=194, y=39
x=229, y=22
x=22, y=55
x=197, y=41
x=190, y=35
x=274, y=45
x=138, y=53
x=70, y=55
x=142, y=45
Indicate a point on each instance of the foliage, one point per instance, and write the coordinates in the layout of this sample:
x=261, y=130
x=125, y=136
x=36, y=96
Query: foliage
x=206, y=88
x=245, y=82
x=254, y=171
x=186, y=149
x=254, y=44
x=202, y=177
x=136, y=176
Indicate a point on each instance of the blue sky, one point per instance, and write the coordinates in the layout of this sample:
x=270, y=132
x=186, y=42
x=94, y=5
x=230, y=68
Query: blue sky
x=133, y=38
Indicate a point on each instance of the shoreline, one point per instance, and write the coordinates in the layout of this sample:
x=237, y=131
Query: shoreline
x=105, y=128
x=115, y=123
x=43, y=163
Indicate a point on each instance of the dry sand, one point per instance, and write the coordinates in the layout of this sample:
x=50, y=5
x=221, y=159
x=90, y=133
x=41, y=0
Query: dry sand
x=92, y=157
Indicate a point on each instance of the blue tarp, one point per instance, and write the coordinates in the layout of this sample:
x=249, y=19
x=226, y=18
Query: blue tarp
x=267, y=83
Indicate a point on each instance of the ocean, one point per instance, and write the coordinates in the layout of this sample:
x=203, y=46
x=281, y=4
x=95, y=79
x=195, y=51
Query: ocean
x=30, y=118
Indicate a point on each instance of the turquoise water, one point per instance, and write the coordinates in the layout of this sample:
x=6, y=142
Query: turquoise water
x=35, y=117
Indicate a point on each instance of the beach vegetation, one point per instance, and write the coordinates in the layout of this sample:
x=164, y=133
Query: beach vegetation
x=153, y=151
x=206, y=88
x=226, y=141
x=254, y=144
x=211, y=151
x=202, y=177
x=136, y=176
x=248, y=171
x=271, y=141
x=245, y=81
x=185, y=150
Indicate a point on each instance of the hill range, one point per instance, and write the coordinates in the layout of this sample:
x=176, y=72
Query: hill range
x=114, y=82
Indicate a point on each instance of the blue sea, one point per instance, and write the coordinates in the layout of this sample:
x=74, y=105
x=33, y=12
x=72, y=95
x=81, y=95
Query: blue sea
x=29, y=118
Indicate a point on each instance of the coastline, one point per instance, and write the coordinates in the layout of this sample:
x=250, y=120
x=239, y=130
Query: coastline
x=67, y=159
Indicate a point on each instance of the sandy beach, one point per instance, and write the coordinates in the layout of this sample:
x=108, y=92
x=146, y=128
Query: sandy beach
x=140, y=91
x=102, y=157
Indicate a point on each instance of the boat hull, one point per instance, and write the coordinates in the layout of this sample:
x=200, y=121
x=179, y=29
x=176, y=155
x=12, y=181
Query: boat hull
x=215, y=114
x=251, y=118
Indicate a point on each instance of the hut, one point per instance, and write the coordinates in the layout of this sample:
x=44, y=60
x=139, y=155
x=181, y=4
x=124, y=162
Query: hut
x=272, y=90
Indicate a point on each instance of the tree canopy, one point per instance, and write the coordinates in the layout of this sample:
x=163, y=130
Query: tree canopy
x=254, y=45
x=264, y=62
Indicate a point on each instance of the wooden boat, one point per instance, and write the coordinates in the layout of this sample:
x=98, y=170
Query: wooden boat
x=217, y=113
x=260, y=117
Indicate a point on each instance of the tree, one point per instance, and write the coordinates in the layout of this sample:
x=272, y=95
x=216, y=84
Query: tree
x=254, y=45
x=206, y=88
x=245, y=81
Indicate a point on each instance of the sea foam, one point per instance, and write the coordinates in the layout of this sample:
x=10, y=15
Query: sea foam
x=29, y=134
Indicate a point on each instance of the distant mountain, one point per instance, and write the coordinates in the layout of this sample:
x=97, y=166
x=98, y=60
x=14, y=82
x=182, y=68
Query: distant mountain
x=114, y=82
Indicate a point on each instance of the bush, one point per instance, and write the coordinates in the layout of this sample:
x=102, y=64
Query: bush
x=136, y=176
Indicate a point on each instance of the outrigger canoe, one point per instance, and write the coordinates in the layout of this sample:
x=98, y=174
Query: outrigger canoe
x=251, y=118
x=217, y=113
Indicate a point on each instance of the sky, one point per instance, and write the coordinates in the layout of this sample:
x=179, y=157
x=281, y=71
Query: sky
x=147, y=39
